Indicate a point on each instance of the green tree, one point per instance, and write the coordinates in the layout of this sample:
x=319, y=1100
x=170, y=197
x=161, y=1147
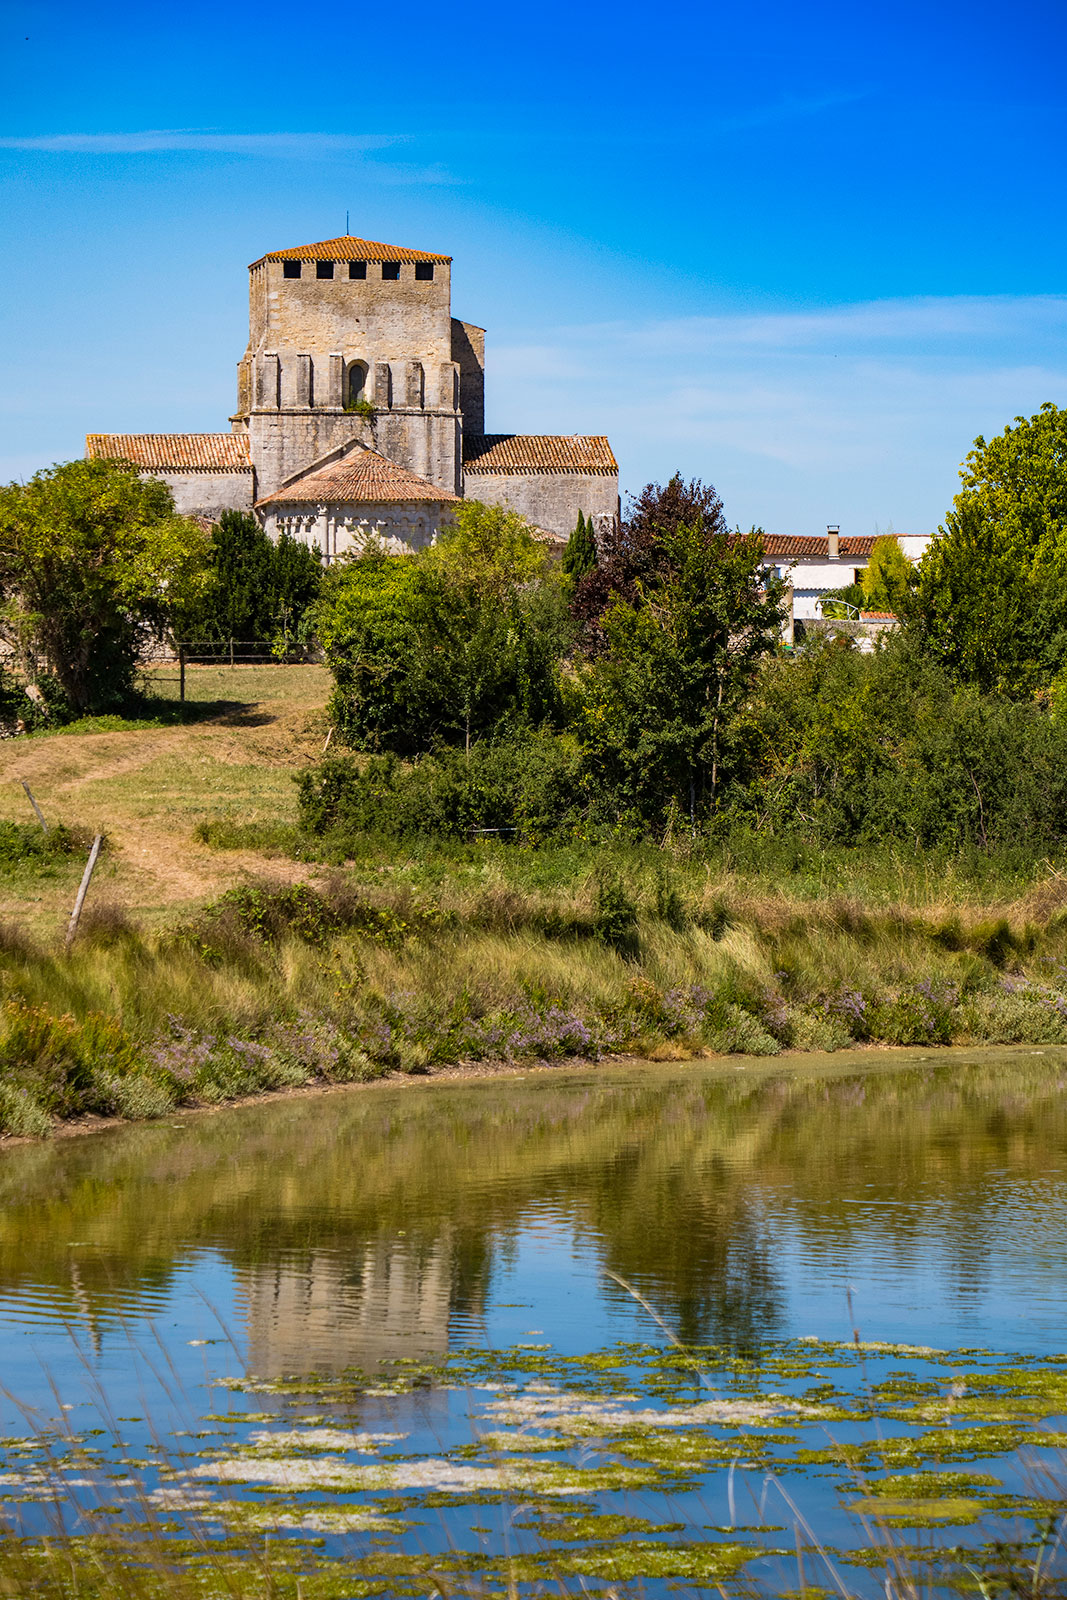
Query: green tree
x=447, y=645
x=93, y=559
x=259, y=589
x=492, y=542
x=991, y=594
x=580, y=555
x=887, y=576
x=662, y=699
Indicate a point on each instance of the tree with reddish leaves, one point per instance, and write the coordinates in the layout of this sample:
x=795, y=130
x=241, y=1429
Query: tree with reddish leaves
x=634, y=552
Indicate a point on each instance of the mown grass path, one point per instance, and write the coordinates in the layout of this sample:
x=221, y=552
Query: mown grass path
x=146, y=786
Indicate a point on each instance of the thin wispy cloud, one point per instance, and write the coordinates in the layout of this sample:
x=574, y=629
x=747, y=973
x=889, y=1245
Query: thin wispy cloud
x=282, y=146
x=805, y=417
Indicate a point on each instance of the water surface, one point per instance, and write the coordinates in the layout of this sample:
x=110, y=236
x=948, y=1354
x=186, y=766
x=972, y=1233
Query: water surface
x=901, y=1198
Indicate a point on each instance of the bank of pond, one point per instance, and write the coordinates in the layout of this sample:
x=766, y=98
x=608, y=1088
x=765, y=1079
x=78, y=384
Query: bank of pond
x=410, y=964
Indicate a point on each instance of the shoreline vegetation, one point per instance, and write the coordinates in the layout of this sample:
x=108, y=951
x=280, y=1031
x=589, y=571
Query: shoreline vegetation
x=404, y=963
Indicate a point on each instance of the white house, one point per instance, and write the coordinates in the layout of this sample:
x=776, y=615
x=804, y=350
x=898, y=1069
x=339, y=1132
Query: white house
x=813, y=565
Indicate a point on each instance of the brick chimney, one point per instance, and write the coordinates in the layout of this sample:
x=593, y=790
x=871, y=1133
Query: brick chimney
x=833, y=541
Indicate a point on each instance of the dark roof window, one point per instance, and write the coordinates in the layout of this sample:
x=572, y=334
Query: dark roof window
x=324, y=269
x=390, y=269
x=424, y=271
x=357, y=269
x=290, y=269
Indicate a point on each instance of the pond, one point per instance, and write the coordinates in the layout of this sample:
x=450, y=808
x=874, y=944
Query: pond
x=739, y=1327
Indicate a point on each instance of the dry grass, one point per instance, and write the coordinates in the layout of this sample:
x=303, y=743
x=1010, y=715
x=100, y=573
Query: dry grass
x=147, y=787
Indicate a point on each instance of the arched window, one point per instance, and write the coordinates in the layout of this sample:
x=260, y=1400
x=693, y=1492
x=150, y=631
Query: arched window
x=357, y=383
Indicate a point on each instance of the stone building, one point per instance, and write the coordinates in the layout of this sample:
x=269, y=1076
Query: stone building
x=361, y=410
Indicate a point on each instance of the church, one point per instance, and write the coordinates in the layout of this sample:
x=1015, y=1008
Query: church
x=361, y=414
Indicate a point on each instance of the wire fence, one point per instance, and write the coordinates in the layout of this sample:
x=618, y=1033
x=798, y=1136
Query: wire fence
x=225, y=653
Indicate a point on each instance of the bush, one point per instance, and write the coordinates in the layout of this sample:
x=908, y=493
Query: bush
x=615, y=914
x=26, y=844
x=63, y=1065
x=525, y=789
x=843, y=748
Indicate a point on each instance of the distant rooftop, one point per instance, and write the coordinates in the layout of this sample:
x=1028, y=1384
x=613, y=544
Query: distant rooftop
x=172, y=452
x=537, y=452
x=816, y=547
x=347, y=248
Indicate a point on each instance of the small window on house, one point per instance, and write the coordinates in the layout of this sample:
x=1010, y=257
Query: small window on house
x=357, y=382
x=324, y=269
x=290, y=269
x=424, y=271
x=357, y=269
x=390, y=269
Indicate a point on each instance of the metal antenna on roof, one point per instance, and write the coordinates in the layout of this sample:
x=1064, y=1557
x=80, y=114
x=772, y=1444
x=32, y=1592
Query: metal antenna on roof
x=346, y=224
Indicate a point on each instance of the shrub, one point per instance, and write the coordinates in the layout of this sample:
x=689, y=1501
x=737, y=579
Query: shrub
x=518, y=789
x=20, y=1113
x=56, y=1059
x=615, y=914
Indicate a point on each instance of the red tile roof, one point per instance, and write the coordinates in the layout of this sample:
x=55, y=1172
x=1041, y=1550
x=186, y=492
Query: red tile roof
x=816, y=547
x=361, y=477
x=537, y=452
x=348, y=249
x=173, y=452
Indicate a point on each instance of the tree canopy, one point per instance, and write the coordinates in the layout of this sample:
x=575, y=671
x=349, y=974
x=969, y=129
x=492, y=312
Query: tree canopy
x=886, y=577
x=92, y=559
x=258, y=589
x=633, y=551
x=678, y=658
x=991, y=596
x=448, y=644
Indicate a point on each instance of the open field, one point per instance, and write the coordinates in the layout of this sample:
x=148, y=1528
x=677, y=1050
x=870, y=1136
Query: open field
x=248, y=731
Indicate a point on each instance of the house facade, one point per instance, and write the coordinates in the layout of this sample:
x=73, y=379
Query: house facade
x=814, y=566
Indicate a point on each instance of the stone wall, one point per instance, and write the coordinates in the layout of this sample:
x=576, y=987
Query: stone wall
x=208, y=494
x=339, y=529
x=283, y=443
x=367, y=319
x=551, y=500
x=316, y=345
x=468, y=352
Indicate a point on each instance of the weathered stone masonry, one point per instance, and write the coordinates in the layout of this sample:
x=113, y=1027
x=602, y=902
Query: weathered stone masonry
x=353, y=348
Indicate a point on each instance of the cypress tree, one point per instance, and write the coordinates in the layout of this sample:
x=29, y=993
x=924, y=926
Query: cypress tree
x=580, y=555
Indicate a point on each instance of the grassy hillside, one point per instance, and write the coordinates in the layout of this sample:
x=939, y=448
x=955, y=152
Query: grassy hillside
x=222, y=953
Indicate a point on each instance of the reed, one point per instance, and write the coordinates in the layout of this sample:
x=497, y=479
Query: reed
x=410, y=964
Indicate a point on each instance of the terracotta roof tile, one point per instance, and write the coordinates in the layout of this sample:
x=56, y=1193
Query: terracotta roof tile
x=347, y=248
x=815, y=547
x=173, y=452
x=537, y=452
x=362, y=477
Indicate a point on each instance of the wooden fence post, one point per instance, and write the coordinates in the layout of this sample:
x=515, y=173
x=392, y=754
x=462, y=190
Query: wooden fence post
x=231, y=652
x=75, y=916
x=33, y=803
x=181, y=673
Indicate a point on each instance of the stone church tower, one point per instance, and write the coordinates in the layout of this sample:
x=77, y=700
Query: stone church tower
x=360, y=412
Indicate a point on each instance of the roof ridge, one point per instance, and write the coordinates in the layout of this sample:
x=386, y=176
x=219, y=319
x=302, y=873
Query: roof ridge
x=347, y=247
x=361, y=476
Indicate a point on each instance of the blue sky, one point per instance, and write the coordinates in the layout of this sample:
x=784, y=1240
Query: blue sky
x=806, y=253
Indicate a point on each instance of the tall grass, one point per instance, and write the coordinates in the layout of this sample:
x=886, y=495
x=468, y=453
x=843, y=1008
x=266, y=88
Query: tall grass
x=467, y=955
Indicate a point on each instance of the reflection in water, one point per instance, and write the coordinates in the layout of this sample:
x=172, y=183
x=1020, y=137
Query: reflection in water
x=364, y=1226
x=340, y=1312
